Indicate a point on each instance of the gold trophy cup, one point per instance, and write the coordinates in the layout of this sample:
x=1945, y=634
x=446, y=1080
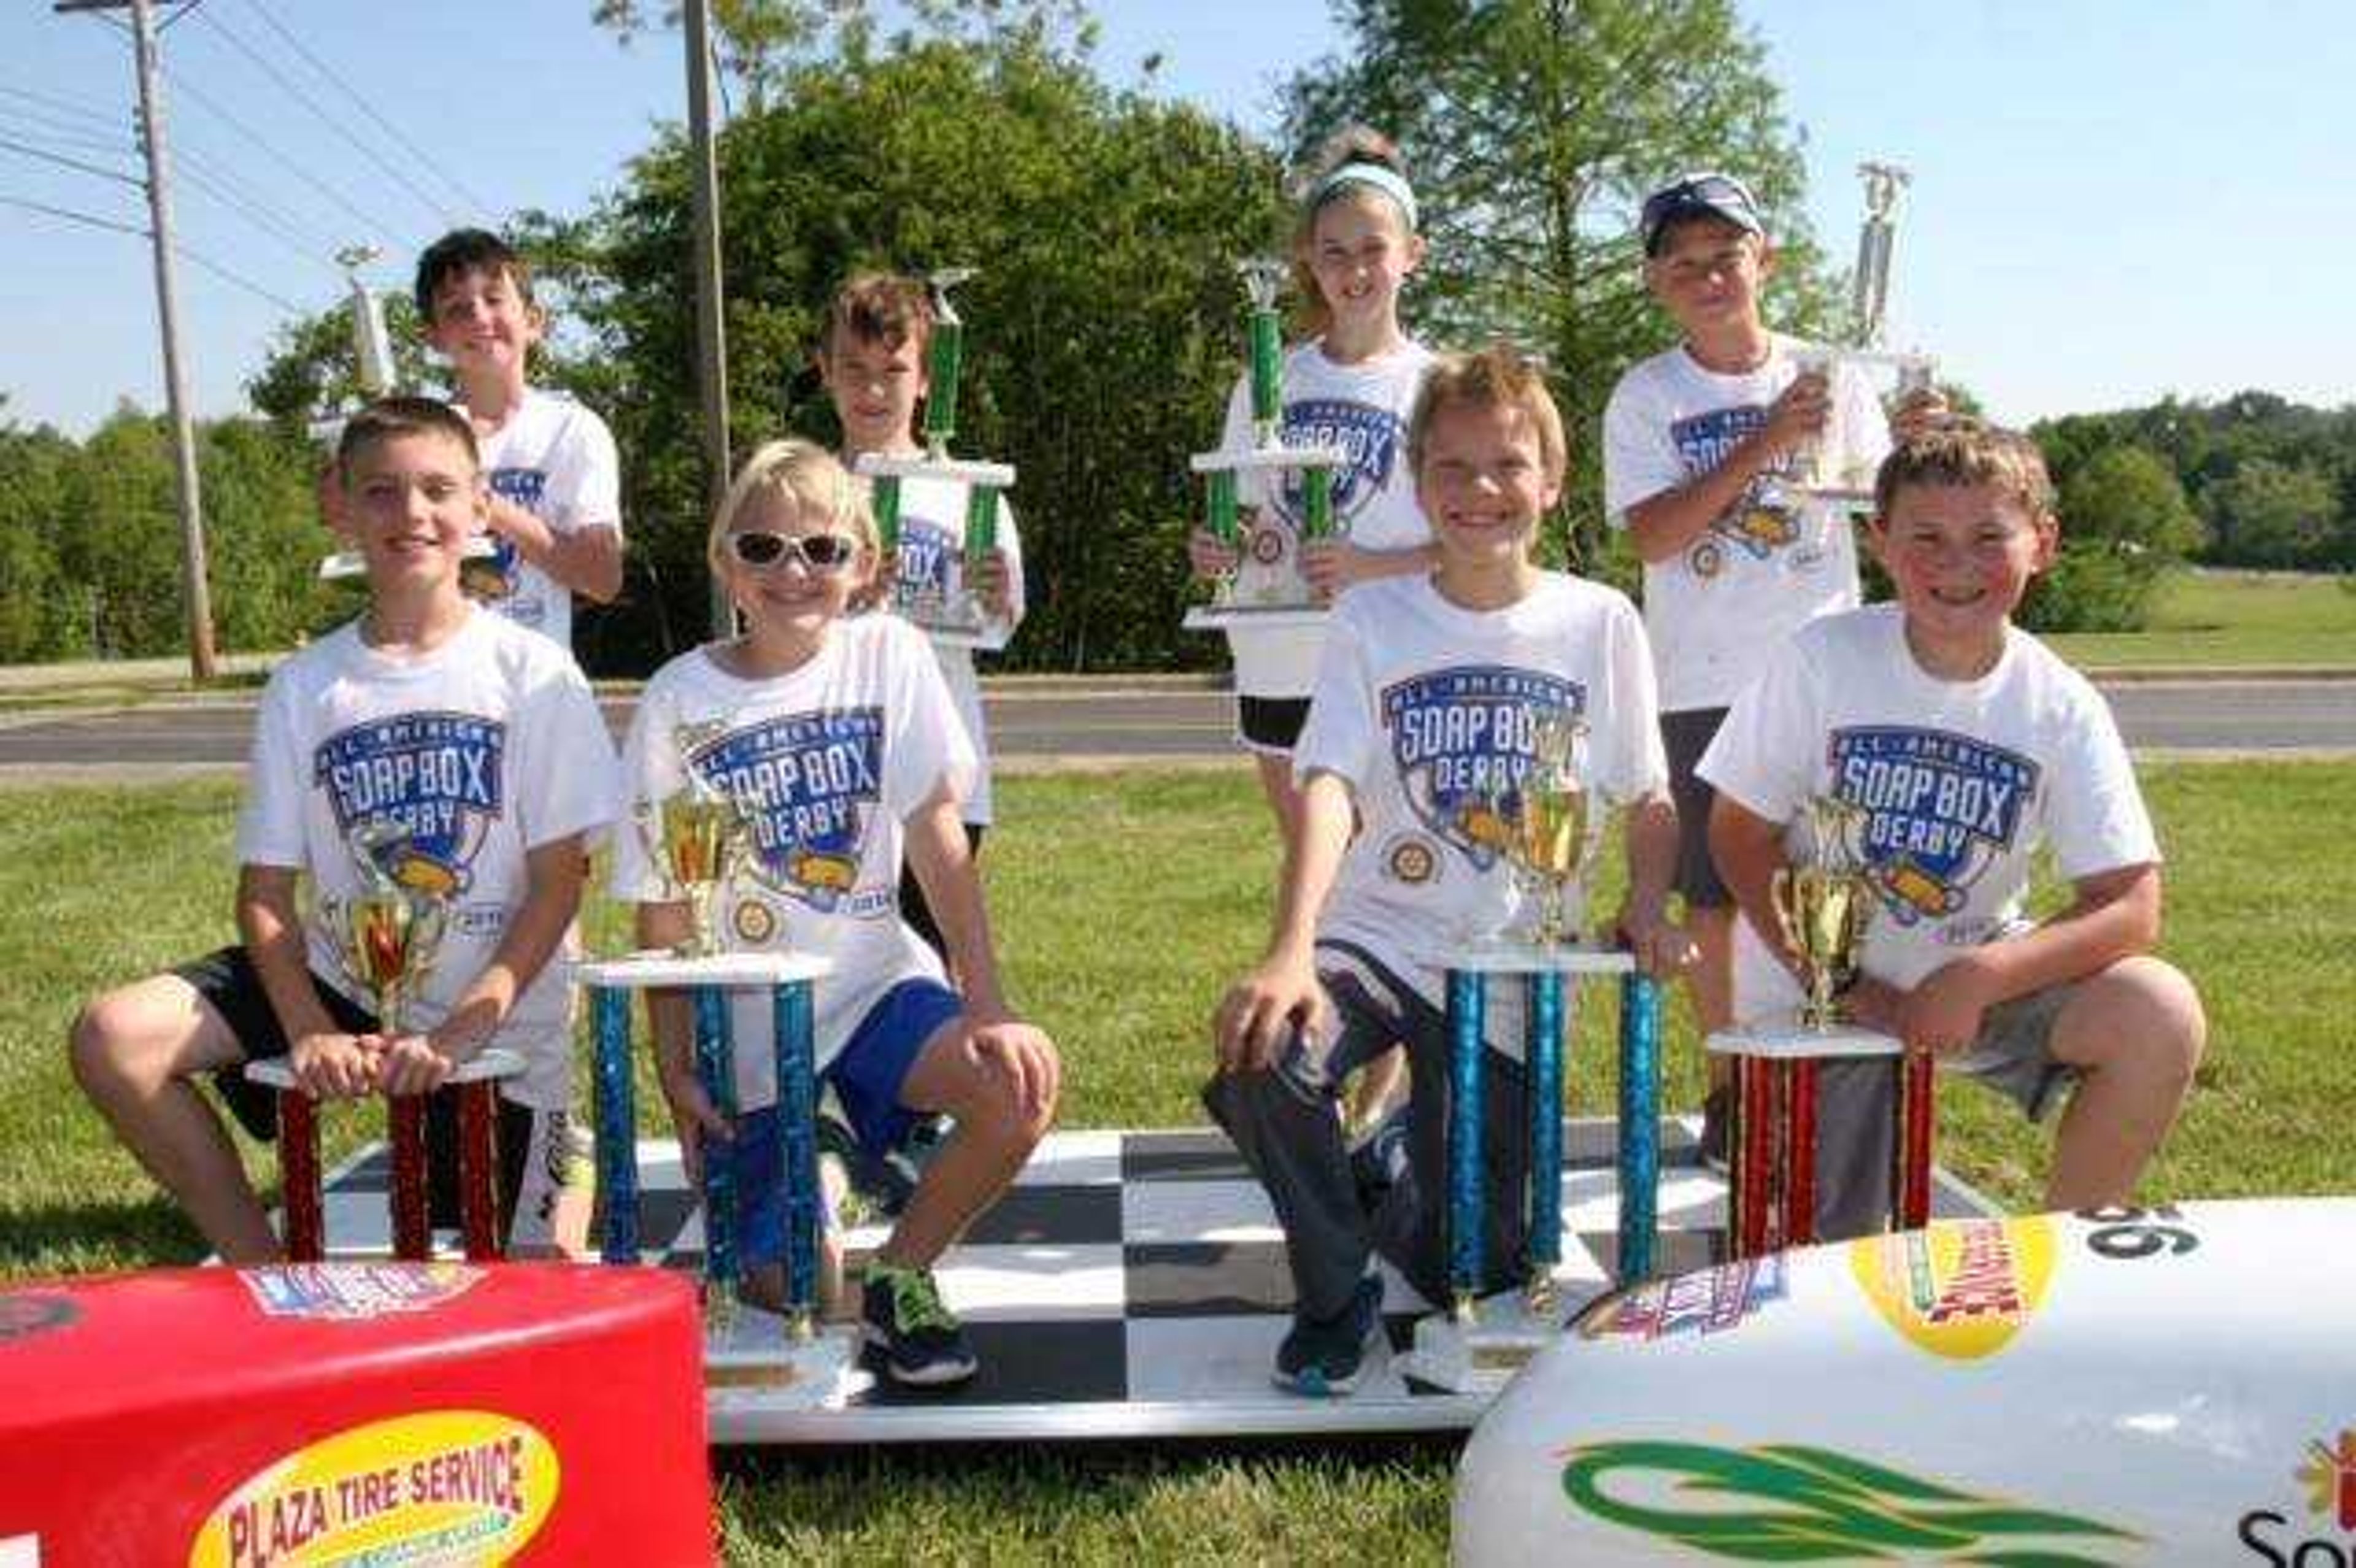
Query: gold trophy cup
x=696, y=837
x=1552, y=815
x=387, y=934
x=1822, y=906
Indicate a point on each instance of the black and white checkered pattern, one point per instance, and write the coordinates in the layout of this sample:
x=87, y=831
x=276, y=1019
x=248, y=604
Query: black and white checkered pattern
x=1134, y=1284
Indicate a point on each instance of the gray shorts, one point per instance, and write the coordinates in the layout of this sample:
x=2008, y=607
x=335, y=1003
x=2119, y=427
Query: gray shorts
x=1684, y=736
x=1855, y=1101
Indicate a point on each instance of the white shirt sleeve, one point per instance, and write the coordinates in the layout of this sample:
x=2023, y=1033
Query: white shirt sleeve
x=1635, y=765
x=924, y=742
x=590, y=486
x=567, y=779
x=277, y=785
x=1640, y=460
x=2099, y=820
x=651, y=769
x=1764, y=756
x=1341, y=736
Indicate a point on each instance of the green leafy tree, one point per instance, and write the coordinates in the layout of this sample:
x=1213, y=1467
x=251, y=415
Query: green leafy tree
x=1103, y=328
x=312, y=371
x=42, y=616
x=1532, y=130
x=2273, y=514
x=2124, y=520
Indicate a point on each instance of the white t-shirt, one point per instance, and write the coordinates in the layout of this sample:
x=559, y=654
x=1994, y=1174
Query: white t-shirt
x=556, y=460
x=1421, y=708
x=467, y=759
x=932, y=558
x=1361, y=409
x=1959, y=782
x=825, y=761
x=1766, y=567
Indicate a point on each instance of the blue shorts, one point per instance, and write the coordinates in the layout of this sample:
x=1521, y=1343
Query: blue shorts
x=866, y=1075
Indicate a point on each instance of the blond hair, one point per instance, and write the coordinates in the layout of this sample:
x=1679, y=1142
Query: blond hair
x=1350, y=145
x=1498, y=377
x=806, y=475
x=1967, y=452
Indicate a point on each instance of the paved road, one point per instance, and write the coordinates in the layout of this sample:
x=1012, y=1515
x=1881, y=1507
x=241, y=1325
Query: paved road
x=1165, y=723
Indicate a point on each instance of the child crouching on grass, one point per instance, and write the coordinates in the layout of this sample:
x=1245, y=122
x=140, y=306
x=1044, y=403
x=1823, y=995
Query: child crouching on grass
x=835, y=737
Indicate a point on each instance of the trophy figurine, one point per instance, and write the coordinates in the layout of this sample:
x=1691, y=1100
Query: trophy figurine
x=1830, y=468
x=1266, y=582
x=386, y=935
x=946, y=609
x=696, y=838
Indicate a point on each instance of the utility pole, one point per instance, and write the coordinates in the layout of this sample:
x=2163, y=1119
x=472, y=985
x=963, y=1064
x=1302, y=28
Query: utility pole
x=711, y=327
x=194, y=592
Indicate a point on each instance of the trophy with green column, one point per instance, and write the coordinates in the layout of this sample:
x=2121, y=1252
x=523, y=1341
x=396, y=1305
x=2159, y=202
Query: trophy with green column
x=933, y=588
x=1267, y=586
x=1837, y=467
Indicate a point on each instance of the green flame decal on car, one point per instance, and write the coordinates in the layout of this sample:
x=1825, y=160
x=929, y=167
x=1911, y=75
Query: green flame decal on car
x=1810, y=1505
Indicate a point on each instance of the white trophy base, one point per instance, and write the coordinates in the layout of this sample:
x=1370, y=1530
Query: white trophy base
x=924, y=465
x=654, y=966
x=346, y=565
x=1218, y=617
x=1265, y=459
x=1482, y=1356
x=756, y=1350
x=1507, y=954
x=493, y=1061
x=1793, y=1040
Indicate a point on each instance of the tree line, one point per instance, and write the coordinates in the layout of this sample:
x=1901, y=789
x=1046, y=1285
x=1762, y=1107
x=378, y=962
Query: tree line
x=1105, y=327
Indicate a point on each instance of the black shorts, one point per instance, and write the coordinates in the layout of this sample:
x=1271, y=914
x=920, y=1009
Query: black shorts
x=1270, y=723
x=1684, y=736
x=231, y=985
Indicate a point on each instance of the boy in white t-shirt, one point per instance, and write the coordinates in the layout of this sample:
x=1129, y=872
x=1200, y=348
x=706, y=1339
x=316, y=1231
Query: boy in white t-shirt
x=555, y=511
x=1419, y=722
x=1696, y=444
x=873, y=362
x=464, y=758
x=1963, y=744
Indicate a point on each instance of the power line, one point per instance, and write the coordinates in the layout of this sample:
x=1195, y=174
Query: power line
x=59, y=105
x=247, y=284
x=71, y=216
x=370, y=223
x=259, y=217
x=26, y=150
x=424, y=158
x=47, y=133
x=400, y=176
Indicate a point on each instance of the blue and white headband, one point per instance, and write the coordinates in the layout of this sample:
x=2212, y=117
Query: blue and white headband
x=1388, y=181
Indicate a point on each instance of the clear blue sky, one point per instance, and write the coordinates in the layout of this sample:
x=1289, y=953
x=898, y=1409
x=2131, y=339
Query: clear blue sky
x=2112, y=201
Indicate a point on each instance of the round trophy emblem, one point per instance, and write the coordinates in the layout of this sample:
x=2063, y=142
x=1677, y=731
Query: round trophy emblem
x=756, y=923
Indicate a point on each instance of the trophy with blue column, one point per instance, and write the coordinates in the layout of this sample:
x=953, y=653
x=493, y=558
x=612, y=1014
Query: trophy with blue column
x=1267, y=587
x=1551, y=814
x=939, y=598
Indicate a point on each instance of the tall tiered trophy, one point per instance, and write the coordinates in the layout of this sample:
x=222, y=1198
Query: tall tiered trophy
x=1267, y=587
x=1548, y=820
x=950, y=612
x=1834, y=467
x=1823, y=904
x=696, y=838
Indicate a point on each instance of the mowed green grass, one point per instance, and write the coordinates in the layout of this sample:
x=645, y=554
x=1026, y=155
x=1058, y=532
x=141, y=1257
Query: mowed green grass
x=2230, y=619
x=1124, y=903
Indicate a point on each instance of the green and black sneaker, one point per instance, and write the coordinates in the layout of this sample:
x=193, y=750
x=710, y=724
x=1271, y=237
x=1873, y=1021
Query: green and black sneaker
x=921, y=1341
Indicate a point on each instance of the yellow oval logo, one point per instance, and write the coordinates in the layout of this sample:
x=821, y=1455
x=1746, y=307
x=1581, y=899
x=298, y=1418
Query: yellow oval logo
x=1960, y=1288
x=439, y=1486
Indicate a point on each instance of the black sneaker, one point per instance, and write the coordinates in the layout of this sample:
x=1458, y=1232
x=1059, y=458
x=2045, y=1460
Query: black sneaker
x=1322, y=1358
x=1717, y=1130
x=919, y=1338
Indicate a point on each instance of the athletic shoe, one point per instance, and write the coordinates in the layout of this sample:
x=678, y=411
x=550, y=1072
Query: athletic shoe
x=1322, y=1358
x=1716, y=1129
x=920, y=1340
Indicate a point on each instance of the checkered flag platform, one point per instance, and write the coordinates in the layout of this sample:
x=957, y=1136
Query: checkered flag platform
x=1133, y=1285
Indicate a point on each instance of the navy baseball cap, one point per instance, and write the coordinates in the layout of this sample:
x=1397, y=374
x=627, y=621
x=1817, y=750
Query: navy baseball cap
x=1706, y=195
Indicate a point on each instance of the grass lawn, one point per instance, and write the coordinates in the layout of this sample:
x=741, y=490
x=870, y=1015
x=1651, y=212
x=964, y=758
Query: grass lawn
x=2224, y=619
x=1124, y=903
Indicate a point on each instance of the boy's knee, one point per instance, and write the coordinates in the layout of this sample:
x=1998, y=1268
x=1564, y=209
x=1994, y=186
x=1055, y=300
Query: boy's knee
x=98, y=1047
x=2143, y=1015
